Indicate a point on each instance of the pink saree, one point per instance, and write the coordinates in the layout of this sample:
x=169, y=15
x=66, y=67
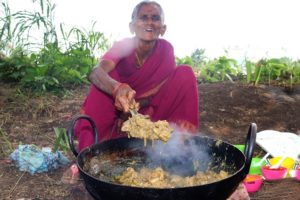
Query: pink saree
x=171, y=92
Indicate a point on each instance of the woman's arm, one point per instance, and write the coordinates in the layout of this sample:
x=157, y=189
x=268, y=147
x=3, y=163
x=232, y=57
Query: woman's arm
x=100, y=78
x=122, y=93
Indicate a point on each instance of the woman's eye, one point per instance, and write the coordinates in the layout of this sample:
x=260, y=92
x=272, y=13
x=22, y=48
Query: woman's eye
x=144, y=18
x=155, y=18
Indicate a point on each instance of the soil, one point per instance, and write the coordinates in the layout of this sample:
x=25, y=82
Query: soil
x=226, y=110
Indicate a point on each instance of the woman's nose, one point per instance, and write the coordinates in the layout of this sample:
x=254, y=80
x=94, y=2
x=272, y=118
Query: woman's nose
x=149, y=20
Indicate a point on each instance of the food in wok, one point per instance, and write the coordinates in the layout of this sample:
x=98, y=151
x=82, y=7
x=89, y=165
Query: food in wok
x=129, y=168
x=159, y=178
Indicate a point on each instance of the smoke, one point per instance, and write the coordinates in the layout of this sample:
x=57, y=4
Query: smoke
x=122, y=48
x=183, y=154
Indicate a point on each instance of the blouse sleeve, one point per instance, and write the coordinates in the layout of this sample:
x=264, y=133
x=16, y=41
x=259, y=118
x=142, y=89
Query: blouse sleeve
x=119, y=50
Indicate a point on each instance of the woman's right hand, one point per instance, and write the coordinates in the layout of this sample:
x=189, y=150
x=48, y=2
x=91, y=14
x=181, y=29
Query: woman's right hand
x=124, y=97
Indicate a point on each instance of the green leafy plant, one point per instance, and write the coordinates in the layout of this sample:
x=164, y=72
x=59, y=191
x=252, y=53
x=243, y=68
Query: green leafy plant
x=6, y=29
x=42, y=20
x=61, y=140
x=219, y=69
x=51, y=65
x=185, y=60
x=258, y=69
x=13, y=68
x=6, y=145
x=250, y=66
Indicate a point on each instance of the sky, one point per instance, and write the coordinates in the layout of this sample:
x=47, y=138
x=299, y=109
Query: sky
x=244, y=28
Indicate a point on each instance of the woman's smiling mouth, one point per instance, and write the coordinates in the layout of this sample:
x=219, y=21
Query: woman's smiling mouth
x=149, y=29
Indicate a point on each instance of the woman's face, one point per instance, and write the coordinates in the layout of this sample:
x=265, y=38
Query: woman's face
x=148, y=24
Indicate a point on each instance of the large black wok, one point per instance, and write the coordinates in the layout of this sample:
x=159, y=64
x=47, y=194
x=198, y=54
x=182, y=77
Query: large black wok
x=212, y=154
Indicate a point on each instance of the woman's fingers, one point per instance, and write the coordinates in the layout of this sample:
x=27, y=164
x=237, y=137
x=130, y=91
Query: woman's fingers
x=124, y=97
x=125, y=104
x=121, y=103
x=131, y=100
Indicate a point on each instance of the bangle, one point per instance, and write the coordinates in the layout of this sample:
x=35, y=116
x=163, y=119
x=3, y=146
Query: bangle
x=116, y=88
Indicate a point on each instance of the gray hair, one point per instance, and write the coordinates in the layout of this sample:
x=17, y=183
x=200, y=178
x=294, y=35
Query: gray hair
x=147, y=2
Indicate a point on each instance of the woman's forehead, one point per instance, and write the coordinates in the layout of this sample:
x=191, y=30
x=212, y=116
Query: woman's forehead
x=149, y=9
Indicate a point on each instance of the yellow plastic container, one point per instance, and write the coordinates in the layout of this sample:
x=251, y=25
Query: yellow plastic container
x=288, y=162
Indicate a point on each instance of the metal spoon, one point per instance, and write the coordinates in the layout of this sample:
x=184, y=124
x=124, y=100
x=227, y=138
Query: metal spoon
x=133, y=112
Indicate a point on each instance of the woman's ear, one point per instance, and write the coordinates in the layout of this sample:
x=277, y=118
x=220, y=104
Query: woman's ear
x=163, y=30
x=131, y=28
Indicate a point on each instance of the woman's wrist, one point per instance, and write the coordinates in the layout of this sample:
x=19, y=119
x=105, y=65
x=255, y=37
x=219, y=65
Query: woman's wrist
x=116, y=88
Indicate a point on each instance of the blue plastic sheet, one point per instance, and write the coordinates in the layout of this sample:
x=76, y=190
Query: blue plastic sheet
x=32, y=159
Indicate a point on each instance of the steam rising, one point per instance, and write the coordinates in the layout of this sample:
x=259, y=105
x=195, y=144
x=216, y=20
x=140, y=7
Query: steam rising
x=181, y=155
x=122, y=48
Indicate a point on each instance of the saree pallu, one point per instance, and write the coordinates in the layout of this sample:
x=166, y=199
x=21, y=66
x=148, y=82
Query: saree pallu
x=171, y=94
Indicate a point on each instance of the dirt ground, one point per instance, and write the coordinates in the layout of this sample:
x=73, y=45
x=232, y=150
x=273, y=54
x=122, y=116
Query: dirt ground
x=226, y=110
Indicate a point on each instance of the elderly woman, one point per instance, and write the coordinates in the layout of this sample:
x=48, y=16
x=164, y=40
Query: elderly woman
x=141, y=68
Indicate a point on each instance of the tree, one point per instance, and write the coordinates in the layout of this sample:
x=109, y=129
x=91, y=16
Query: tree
x=198, y=57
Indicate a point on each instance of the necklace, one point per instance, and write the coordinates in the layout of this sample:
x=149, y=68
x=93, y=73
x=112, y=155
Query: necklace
x=139, y=62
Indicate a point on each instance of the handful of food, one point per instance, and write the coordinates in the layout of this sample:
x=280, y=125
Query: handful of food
x=140, y=126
